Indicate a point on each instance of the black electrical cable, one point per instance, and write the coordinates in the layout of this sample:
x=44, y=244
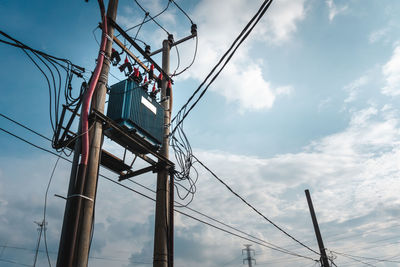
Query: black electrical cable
x=137, y=32
x=355, y=259
x=365, y=258
x=152, y=18
x=241, y=37
x=209, y=224
x=185, y=214
x=15, y=262
x=253, y=208
x=178, y=140
x=191, y=63
x=90, y=257
x=50, y=67
x=27, y=128
x=140, y=24
x=182, y=11
x=180, y=205
x=179, y=61
x=21, y=45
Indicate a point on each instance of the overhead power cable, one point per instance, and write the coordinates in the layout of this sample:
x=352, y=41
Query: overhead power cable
x=355, y=259
x=365, y=258
x=152, y=18
x=209, y=224
x=145, y=187
x=23, y=126
x=183, y=11
x=178, y=141
x=58, y=74
x=182, y=113
x=90, y=257
x=15, y=262
x=218, y=221
x=252, y=207
x=178, y=211
x=145, y=21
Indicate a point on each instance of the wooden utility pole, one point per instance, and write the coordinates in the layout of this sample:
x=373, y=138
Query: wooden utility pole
x=79, y=208
x=324, y=258
x=162, y=233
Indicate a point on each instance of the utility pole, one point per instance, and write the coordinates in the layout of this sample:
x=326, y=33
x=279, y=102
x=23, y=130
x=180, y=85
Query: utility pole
x=249, y=259
x=79, y=208
x=324, y=258
x=162, y=234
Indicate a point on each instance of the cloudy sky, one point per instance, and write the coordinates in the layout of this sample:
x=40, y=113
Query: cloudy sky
x=309, y=101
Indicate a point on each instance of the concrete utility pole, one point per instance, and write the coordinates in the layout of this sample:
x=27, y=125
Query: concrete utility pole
x=162, y=233
x=79, y=208
x=249, y=259
x=324, y=258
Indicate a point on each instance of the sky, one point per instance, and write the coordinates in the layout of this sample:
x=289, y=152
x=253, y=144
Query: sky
x=309, y=101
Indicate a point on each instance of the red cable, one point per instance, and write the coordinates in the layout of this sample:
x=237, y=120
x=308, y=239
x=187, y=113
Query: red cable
x=89, y=93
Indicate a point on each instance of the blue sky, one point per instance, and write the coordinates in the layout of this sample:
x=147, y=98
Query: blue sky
x=309, y=101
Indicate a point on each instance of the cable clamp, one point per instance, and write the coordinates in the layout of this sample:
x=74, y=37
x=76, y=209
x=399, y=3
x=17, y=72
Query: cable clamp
x=109, y=37
x=79, y=195
x=105, y=56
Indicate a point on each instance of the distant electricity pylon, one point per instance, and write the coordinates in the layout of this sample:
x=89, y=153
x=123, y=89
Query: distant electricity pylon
x=41, y=225
x=249, y=259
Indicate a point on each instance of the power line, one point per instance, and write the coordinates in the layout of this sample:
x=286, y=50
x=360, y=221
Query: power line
x=183, y=213
x=182, y=11
x=201, y=163
x=209, y=224
x=90, y=257
x=232, y=49
x=179, y=141
x=366, y=258
x=354, y=259
x=27, y=128
x=15, y=262
x=252, y=207
x=218, y=221
x=155, y=16
x=152, y=18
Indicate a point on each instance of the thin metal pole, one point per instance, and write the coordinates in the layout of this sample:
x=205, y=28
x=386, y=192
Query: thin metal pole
x=161, y=230
x=324, y=258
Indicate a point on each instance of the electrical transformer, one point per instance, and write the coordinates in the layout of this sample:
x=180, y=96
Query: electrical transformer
x=131, y=107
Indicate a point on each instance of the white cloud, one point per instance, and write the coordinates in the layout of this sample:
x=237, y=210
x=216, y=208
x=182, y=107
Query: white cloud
x=281, y=21
x=335, y=10
x=354, y=87
x=352, y=174
x=243, y=81
x=378, y=35
x=391, y=73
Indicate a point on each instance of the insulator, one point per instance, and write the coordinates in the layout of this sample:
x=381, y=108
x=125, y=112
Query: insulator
x=193, y=29
x=169, y=88
x=151, y=72
x=147, y=49
x=159, y=80
x=126, y=67
x=145, y=83
x=115, y=58
x=153, y=92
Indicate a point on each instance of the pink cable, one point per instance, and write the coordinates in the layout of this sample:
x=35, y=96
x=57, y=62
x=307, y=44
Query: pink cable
x=89, y=95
